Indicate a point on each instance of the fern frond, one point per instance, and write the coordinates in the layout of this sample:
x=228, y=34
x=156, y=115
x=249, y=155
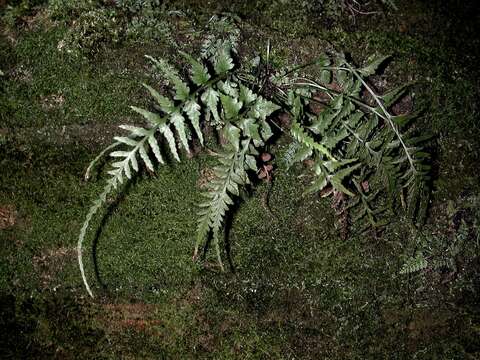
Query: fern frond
x=179, y=122
x=392, y=96
x=246, y=96
x=182, y=91
x=192, y=109
x=168, y=134
x=374, y=64
x=223, y=62
x=387, y=117
x=231, y=106
x=199, y=73
x=152, y=118
x=263, y=108
x=171, y=122
x=317, y=185
x=230, y=174
x=92, y=211
x=224, y=36
x=414, y=264
x=300, y=135
x=138, y=141
x=295, y=153
x=232, y=134
x=121, y=168
x=349, y=128
x=353, y=144
x=210, y=99
x=165, y=104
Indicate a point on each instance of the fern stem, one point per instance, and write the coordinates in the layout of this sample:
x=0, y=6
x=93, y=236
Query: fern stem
x=387, y=117
x=329, y=92
x=315, y=85
x=299, y=67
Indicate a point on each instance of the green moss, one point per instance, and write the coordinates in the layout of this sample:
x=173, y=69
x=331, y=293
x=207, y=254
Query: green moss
x=297, y=290
x=35, y=327
x=49, y=88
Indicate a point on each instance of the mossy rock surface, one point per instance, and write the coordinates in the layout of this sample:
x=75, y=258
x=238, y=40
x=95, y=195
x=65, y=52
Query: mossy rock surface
x=294, y=288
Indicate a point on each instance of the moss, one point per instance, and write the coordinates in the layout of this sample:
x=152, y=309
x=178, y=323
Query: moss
x=86, y=92
x=35, y=327
x=297, y=289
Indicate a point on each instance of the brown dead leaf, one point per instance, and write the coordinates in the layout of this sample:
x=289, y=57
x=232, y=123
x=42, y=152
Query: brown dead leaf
x=284, y=119
x=321, y=99
x=48, y=264
x=403, y=106
x=52, y=101
x=309, y=163
x=138, y=317
x=8, y=216
x=206, y=176
x=335, y=87
x=266, y=157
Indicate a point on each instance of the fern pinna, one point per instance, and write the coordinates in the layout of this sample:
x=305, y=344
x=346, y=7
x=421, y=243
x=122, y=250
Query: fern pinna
x=357, y=147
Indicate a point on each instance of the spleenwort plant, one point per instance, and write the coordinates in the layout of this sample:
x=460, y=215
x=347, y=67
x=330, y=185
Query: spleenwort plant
x=442, y=252
x=357, y=147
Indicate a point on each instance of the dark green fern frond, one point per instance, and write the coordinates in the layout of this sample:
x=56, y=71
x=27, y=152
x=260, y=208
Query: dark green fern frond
x=414, y=264
x=347, y=127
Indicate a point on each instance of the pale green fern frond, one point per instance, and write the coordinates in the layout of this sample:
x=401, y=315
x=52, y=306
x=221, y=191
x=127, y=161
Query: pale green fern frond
x=223, y=62
x=99, y=156
x=230, y=174
x=300, y=135
x=125, y=162
x=199, y=73
x=244, y=126
x=223, y=34
x=182, y=91
x=192, y=110
x=210, y=99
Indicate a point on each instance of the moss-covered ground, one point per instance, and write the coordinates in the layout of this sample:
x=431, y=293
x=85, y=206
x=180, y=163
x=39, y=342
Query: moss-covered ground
x=295, y=288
